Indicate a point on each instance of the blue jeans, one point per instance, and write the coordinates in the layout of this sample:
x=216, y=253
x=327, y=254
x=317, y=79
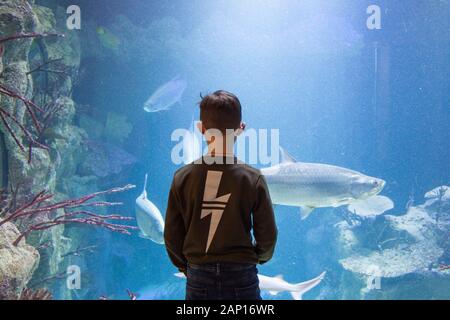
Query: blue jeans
x=222, y=281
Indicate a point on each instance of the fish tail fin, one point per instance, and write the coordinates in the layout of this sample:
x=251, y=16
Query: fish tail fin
x=372, y=206
x=303, y=287
x=305, y=211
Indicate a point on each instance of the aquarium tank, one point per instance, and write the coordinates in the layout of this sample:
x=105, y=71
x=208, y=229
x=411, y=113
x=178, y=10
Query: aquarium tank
x=99, y=108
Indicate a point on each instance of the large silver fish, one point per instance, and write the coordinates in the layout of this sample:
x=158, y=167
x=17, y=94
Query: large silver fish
x=314, y=185
x=166, y=95
x=149, y=218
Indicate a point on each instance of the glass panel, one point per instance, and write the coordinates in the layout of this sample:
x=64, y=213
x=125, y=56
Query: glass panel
x=346, y=112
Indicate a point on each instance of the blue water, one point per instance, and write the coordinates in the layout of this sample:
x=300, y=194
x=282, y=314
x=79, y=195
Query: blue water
x=376, y=101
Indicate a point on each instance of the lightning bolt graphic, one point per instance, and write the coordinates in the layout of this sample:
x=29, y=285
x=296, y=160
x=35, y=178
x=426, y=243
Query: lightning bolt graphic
x=213, y=205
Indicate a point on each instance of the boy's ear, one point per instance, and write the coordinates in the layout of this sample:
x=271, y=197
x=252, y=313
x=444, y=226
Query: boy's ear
x=200, y=127
x=240, y=129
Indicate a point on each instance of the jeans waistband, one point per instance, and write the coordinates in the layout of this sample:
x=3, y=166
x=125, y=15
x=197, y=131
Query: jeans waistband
x=222, y=266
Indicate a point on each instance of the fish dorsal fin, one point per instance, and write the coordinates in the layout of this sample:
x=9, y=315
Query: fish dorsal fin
x=286, y=157
x=144, y=191
x=372, y=206
x=145, y=182
x=305, y=211
x=279, y=277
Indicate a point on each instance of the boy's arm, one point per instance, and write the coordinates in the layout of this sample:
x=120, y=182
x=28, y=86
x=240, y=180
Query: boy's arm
x=264, y=228
x=174, y=231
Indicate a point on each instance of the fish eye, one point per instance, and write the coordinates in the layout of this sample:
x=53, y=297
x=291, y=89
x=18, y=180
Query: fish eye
x=375, y=183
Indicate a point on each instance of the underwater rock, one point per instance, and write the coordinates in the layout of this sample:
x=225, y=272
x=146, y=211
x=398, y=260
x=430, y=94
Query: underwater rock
x=105, y=159
x=3, y=164
x=64, y=111
x=64, y=139
x=45, y=17
x=395, y=262
x=347, y=239
x=417, y=222
x=17, y=263
x=117, y=128
x=63, y=54
x=51, y=91
x=16, y=16
x=441, y=193
x=404, y=258
x=67, y=48
x=77, y=186
x=93, y=128
x=438, y=201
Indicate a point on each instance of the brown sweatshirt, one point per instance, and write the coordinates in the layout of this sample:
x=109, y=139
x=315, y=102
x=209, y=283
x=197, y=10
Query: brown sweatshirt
x=211, y=211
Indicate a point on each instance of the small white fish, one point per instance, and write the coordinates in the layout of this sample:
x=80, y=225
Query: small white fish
x=277, y=284
x=166, y=95
x=149, y=218
x=316, y=185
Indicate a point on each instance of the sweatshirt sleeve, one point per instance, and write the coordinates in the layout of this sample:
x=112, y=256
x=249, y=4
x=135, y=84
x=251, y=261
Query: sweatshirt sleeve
x=264, y=228
x=174, y=231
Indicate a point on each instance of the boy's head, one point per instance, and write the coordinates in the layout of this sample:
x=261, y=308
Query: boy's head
x=221, y=110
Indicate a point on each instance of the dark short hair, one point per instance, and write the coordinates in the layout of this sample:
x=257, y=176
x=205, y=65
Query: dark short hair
x=220, y=110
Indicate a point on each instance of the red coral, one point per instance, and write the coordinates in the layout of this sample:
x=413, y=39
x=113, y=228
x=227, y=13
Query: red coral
x=38, y=206
x=8, y=119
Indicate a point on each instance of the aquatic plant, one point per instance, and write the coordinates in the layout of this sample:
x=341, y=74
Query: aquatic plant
x=23, y=35
x=39, y=294
x=51, y=112
x=43, y=67
x=39, y=206
x=7, y=118
x=31, y=109
x=58, y=276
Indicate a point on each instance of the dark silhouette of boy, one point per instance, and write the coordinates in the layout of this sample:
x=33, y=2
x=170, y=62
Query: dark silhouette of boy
x=214, y=205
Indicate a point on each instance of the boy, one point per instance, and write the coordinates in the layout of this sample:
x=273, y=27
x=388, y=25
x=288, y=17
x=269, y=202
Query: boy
x=213, y=205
